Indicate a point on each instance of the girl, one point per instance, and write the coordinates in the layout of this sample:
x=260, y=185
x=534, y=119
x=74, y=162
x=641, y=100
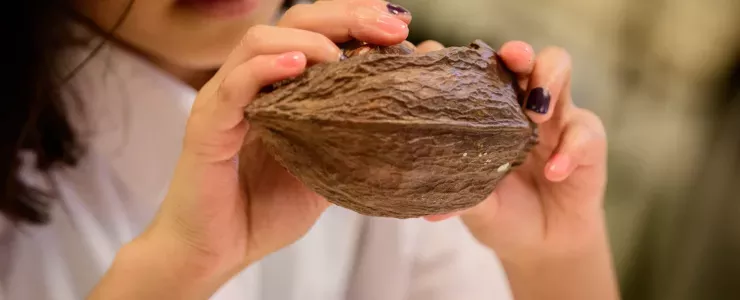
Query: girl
x=119, y=104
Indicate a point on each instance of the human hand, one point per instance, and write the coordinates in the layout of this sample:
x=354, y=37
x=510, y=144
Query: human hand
x=550, y=206
x=230, y=203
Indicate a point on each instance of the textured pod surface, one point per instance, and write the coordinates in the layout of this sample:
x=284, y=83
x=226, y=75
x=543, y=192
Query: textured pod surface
x=396, y=134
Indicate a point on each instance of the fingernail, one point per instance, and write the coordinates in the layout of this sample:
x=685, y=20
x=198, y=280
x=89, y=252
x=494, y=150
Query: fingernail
x=391, y=24
x=290, y=60
x=538, y=101
x=559, y=164
x=397, y=9
x=437, y=218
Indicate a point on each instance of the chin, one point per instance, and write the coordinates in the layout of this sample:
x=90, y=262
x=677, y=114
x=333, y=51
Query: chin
x=178, y=37
x=194, y=50
x=204, y=42
x=199, y=59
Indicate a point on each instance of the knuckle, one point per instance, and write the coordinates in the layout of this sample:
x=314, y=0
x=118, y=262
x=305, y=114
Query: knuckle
x=356, y=16
x=298, y=8
x=361, y=8
x=366, y=2
x=255, y=36
x=224, y=93
x=556, y=52
x=295, y=11
x=592, y=123
x=229, y=89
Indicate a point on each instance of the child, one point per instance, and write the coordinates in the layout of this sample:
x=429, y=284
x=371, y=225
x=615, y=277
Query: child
x=157, y=113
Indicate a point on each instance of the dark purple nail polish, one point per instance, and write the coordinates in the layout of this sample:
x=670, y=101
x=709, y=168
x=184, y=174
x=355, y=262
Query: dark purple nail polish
x=539, y=100
x=397, y=9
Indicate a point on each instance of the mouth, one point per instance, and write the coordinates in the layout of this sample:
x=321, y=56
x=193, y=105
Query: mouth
x=220, y=8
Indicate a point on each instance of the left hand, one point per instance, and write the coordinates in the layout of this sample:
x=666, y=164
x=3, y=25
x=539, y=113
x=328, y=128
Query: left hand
x=550, y=206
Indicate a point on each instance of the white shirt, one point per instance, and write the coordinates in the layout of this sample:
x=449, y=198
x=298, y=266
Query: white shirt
x=135, y=116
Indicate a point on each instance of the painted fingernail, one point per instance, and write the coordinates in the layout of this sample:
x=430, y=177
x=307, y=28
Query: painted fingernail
x=290, y=60
x=538, y=101
x=397, y=9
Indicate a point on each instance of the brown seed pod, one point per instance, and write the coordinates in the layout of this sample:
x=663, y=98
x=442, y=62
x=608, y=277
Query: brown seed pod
x=391, y=133
x=355, y=48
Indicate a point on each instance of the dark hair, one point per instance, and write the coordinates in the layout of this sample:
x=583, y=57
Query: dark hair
x=34, y=117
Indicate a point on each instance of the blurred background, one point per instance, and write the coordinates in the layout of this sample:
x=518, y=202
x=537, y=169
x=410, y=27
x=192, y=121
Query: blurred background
x=665, y=78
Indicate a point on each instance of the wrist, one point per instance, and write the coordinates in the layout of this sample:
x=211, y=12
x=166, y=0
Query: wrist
x=154, y=268
x=586, y=272
x=169, y=263
x=577, y=240
x=204, y=270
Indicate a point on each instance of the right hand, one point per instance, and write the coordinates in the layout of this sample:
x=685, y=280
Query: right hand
x=224, y=217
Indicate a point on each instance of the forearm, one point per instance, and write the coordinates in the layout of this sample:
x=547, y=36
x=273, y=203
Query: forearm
x=144, y=271
x=586, y=275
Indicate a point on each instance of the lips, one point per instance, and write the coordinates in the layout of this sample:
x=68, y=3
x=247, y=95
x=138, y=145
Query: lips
x=221, y=8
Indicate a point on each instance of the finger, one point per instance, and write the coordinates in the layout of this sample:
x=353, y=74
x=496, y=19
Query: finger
x=394, y=9
x=262, y=40
x=429, y=46
x=437, y=218
x=519, y=58
x=373, y=21
x=549, y=77
x=216, y=128
x=583, y=143
x=242, y=85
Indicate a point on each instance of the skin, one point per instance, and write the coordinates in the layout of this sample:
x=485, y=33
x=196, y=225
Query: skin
x=173, y=35
x=545, y=221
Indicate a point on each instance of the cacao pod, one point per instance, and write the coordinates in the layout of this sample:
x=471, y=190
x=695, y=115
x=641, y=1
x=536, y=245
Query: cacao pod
x=392, y=133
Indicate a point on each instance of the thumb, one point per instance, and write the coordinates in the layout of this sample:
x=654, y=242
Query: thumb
x=216, y=127
x=480, y=218
x=583, y=143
